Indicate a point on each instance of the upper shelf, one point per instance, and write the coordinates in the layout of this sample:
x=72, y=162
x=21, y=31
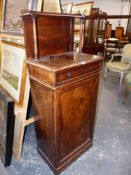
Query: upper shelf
x=35, y=13
x=108, y=16
x=48, y=33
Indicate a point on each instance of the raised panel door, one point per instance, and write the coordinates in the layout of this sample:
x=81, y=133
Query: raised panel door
x=75, y=114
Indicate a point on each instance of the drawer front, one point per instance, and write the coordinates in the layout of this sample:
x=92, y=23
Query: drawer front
x=75, y=72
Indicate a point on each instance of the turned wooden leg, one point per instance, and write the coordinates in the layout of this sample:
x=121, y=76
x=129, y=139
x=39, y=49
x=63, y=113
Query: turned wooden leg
x=126, y=94
x=105, y=72
x=121, y=78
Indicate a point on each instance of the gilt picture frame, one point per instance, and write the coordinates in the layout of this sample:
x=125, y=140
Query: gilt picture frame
x=52, y=6
x=67, y=8
x=82, y=8
x=13, y=70
x=11, y=20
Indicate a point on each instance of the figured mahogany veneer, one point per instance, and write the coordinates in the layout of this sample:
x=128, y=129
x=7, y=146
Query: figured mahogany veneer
x=65, y=99
x=63, y=67
x=64, y=90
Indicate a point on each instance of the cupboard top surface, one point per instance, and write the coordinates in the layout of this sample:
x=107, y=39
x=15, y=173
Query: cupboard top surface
x=36, y=14
x=65, y=60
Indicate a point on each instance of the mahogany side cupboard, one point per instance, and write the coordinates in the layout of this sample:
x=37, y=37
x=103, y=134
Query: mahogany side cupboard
x=64, y=87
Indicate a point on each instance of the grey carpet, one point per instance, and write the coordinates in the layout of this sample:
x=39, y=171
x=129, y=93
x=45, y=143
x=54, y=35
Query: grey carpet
x=111, y=151
x=2, y=169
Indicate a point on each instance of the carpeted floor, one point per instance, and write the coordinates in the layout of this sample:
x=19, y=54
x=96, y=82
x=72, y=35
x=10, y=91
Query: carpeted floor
x=111, y=151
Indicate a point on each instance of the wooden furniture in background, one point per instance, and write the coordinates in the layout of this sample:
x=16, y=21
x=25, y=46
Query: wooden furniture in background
x=94, y=49
x=128, y=31
x=119, y=33
x=64, y=88
x=111, y=46
x=108, y=30
x=95, y=29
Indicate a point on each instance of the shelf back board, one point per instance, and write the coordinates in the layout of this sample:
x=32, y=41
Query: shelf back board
x=47, y=34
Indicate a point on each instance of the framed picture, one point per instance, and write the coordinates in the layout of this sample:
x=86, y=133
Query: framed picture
x=0, y=13
x=38, y=5
x=53, y=6
x=6, y=126
x=82, y=8
x=95, y=11
x=13, y=70
x=11, y=20
x=67, y=8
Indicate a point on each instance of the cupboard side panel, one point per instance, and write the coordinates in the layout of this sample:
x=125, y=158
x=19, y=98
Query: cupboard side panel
x=42, y=98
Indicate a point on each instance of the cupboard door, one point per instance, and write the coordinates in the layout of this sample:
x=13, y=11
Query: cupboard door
x=75, y=115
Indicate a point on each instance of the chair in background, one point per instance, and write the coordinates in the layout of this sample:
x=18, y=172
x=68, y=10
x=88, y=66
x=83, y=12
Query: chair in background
x=127, y=85
x=111, y=46
x=122, y=67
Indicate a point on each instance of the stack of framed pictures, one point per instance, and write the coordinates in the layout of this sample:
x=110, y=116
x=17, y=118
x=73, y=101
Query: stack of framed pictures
x=11, y=20
x=13, y=70
x=6, y=126
x=84, y=8
x=67, y=8
x=52, y=6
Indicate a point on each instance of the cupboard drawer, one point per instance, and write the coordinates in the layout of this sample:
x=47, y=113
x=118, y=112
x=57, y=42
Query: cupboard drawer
x=79, y=71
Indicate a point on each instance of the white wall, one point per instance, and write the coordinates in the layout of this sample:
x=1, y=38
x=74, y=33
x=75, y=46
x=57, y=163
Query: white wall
x=111, y=7
x=125, y=11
